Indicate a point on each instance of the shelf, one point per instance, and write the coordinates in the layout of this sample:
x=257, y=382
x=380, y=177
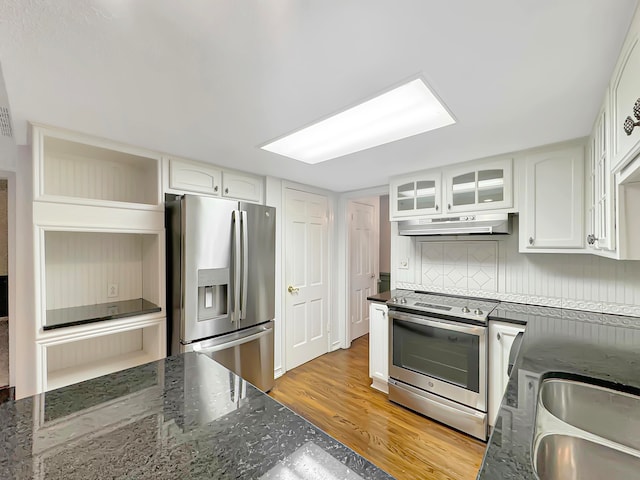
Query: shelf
x=70, y=167
x=67, y=317
x=77, y=359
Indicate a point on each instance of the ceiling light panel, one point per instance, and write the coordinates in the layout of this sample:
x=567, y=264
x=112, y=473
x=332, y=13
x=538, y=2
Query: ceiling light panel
x=399, y=113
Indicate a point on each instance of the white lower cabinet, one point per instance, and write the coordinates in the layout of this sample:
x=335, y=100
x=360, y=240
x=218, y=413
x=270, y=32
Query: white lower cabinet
x=501, y=337
x=379, y=346
x=552, y=218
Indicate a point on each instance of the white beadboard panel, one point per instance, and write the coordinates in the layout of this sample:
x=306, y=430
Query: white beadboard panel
x=94, y=349
x=79, y=266
x=72, y=169
x=571, y=281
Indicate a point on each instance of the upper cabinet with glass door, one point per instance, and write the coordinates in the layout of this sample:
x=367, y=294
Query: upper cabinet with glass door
x=416, y=195
x=483, y=185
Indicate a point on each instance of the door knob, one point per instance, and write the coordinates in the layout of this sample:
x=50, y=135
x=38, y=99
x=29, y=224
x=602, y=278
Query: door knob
x=292, y=289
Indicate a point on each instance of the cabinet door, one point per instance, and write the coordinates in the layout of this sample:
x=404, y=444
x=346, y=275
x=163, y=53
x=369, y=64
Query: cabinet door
x=501, y=337
x=418, y=196
x=193, y=177
x=554, y=201
x=379, y=346
x=485, y=185
x=242, y=187
x=625, y=92
x=601, y=229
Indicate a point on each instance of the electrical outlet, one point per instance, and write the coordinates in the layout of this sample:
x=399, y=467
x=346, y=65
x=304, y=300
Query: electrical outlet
x=112, y=291
x=404, y=264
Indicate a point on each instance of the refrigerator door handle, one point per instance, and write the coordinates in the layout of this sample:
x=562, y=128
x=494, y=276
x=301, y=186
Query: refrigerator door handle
x=236, y=315
x=213, y=346
x=245, y=265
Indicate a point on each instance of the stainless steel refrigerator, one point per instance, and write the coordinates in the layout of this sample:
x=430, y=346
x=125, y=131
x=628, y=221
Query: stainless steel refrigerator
x=220, y=283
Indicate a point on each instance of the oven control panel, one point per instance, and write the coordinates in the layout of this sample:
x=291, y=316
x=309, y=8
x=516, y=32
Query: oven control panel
x=476, y=309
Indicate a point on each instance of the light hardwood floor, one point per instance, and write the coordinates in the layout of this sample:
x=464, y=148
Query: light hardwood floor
x=333, y=393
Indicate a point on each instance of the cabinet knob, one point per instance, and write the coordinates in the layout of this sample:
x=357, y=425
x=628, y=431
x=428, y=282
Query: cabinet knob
x=499, y=336
x=448, y=206
x=591, y=239
x=215, y=189
x=436, y=208
x=226, y=190
x=629, y=124
x=530, y=240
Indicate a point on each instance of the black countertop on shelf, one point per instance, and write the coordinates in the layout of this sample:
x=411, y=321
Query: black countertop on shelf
x=67, y=317
x=565, y=343
x=182, y=417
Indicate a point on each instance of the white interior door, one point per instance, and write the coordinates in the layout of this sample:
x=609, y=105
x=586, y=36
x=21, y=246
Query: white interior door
x=306, y=277
x=363, y=262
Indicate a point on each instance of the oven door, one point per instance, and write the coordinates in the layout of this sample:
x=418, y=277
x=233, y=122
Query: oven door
x=444, y=357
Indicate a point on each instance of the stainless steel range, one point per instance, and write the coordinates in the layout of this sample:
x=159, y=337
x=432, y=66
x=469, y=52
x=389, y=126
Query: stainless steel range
x=438, y=357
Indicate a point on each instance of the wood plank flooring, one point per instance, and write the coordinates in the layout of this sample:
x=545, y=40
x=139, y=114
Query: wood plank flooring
x=333, y=392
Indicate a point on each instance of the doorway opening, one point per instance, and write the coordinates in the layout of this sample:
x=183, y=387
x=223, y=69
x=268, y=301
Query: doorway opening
x=4, y=285
x=369, y=254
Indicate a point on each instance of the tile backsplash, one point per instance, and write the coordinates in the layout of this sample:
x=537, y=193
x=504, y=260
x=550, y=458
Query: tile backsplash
x=492, y=267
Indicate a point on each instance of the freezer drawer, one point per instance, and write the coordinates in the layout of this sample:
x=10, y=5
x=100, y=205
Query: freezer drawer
x=248, y=353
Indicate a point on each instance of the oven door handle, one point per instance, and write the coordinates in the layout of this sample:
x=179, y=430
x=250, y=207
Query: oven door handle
x=439, y=323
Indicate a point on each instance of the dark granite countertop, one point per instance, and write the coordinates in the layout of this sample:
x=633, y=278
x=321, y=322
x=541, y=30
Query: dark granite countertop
x=182, y=417
x=382, y=297
x=564, y=343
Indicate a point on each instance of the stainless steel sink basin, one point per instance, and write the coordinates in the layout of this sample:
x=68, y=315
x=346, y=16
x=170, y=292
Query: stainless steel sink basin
x=585, y=431
x=565, y=457
x=609, y=414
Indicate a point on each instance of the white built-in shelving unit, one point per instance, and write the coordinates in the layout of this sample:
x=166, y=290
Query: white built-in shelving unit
x=99, y=257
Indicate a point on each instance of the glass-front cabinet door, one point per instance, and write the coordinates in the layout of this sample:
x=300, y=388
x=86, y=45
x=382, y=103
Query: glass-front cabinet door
x=479, y=186
x=415, y=196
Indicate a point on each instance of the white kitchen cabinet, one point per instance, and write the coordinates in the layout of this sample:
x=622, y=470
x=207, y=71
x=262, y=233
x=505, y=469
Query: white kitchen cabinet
x=480, y=185
x=419, y=194
x=501, y=337
x=242, y=186
x=625, y=93
x=552, y=210
x=185, y=175
x=600, y=185
x=379, y=346
x=99, y=253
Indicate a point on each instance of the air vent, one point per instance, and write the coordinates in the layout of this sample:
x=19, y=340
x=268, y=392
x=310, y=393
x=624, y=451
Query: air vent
x=5, y=122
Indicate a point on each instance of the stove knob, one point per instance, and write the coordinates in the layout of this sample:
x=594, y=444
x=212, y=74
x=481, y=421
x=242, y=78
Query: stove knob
x=477, y=311
x=394, y=299
x=465, y=309
x=403, y=300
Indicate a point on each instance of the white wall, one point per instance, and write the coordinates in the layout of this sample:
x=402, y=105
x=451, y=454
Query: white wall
x=576, y=281
x=22, y=324
x=385, y=235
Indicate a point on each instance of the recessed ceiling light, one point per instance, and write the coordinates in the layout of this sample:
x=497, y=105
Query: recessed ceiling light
x=405, y=111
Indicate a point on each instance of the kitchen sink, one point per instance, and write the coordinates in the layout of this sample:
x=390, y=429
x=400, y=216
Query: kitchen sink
x=601, y=411
x=585, y=431
x=565, y=457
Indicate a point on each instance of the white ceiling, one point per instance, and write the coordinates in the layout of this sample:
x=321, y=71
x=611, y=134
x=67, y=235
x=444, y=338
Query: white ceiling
x=212, y=80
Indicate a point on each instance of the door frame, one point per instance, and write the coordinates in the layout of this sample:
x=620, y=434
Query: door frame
x=10, y=177
x=375, y=203
x=342, y=264
x=333, y=324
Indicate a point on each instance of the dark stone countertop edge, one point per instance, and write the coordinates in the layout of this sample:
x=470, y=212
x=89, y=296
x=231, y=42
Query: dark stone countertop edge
x=382, y=297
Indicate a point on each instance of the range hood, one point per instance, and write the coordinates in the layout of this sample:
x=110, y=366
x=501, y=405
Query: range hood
x=486, y=224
